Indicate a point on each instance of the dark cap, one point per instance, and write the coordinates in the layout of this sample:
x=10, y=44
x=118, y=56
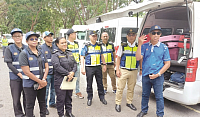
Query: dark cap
x=31, y=33
x=93, y=32
x=70, y=31
x=130, y=31
x=15, y=30
x=155, y=27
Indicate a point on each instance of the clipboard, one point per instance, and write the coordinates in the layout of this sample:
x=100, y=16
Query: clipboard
x=65, y=85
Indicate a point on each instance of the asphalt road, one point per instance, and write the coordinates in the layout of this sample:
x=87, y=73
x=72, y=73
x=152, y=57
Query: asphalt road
x=80, y=108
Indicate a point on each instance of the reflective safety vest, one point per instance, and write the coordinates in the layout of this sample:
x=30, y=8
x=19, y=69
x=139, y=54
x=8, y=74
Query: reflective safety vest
x=108, y=53
x=34, y=68
x=48, y=52
x=75, y=50
x=128, y=59
x=4, y=42
x=93, y=55
x=15, y=61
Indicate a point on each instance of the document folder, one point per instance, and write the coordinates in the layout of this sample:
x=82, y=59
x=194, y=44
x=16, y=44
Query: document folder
x=65, y=85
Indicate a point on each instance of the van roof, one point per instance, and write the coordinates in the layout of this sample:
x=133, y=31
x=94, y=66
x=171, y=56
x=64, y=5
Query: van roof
x=135, y=8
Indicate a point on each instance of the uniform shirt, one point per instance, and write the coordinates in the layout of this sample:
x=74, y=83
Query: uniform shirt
x=84, y=49
x=154, y=57
x=23, y=60
x=8, y=58
x=63, y=63
x=119, y=51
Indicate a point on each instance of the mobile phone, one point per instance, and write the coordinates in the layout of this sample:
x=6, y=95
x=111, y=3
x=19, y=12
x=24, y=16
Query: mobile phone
x=68, y=79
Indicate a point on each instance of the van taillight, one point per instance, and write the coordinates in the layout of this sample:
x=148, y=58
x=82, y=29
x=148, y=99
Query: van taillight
x=192, y=65
x=116, y=48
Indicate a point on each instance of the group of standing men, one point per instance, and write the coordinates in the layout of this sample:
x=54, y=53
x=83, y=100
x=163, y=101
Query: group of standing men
x=98, y=59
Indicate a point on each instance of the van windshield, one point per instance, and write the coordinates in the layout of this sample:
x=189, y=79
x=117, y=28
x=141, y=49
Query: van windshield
x=124, y=33
x=111, y=33
x=8, y=37
x=81, y=35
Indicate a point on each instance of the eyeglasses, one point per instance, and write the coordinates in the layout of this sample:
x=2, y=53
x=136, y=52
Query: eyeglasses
x=17, y=36
x=131, y=35
x=154, y=33
x=32, y=39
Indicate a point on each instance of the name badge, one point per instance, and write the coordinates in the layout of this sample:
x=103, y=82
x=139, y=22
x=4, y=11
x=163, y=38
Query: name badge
x=46, y=52
x=30, y=58
x=15, y=53
x=61, y=56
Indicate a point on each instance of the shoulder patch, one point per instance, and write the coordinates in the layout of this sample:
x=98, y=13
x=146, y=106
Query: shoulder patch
x=124, y=44
x=55, y=51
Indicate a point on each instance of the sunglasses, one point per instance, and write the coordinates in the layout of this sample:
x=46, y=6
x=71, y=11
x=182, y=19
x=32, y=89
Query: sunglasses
x=105, y=36
x=32, y=39
x=154, y=33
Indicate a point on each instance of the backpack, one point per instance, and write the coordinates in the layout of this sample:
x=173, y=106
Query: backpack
x=177, y=77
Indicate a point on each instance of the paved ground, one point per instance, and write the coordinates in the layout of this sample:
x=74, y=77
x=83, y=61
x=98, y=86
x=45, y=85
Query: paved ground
x=80, y=108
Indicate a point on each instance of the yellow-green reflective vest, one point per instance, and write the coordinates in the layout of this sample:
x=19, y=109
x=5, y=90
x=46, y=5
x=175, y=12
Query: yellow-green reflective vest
x=128, y=59
x=93, y=55
x=75, y=50
x=4, y=42
x=108, y=53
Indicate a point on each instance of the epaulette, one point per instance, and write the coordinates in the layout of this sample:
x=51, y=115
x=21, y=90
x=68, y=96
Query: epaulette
x=76, y=42
x=99, y=43
x=69, y=50
x=39, y=47
x=86, y=43
x=124, y=44
x=55, y=51
x=136, y=44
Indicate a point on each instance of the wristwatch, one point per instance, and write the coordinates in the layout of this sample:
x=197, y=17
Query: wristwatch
x=44, y=79
x=159, y=74
x=104, y=64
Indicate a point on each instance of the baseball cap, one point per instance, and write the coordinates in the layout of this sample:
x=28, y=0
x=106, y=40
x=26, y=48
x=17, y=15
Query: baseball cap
x=31, y=33
x=93, y=32
x=155, y=27
x=15, y=30
x=70, y=31
x=130, y=31
x=46, y=33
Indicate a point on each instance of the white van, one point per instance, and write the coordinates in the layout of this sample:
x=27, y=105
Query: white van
x=178, y=18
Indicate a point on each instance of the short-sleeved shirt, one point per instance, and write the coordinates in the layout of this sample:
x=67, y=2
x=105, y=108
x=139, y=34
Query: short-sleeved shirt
x=84, y=49
x=119, y=51
x=154, y=57
x=23, y=60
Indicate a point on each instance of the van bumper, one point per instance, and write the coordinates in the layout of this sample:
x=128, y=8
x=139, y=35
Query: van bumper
x=190, y=95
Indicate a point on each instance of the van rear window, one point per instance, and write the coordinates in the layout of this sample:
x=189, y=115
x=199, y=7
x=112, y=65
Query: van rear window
x=111, y=32
x=165, y=31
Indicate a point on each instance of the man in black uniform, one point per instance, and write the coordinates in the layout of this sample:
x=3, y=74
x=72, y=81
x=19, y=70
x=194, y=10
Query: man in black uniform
x=91, y=56
x=11, y=58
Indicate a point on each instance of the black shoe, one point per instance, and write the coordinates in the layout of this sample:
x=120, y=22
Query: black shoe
x=159, y=116
x=141, y=114
x=52, y=106
x=69, y=115
x=47, y=111
x=131, y=106
x=89, y=102
x=104, y=101
x=118, y=108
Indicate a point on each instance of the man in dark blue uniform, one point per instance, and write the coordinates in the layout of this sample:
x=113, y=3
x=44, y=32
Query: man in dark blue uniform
x=47, y=49
x=91, y=56
x=11, y=58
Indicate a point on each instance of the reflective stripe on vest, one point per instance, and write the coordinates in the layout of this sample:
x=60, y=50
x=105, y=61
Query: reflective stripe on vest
x=94, y=56
x=26, y=77
x=5, y=42
x=108, y=53
x=128, y=59
x=75, y=51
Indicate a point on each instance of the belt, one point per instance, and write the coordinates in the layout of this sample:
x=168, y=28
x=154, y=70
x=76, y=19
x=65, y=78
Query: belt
x=129, y=69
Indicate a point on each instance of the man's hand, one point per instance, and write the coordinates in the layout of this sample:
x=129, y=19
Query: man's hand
x=83, y=71
x=20, y=75
x=153, y=76
x=104, y=68
x=118, y=73
x=140, y=72
x=42, y=84
x=142, y=39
